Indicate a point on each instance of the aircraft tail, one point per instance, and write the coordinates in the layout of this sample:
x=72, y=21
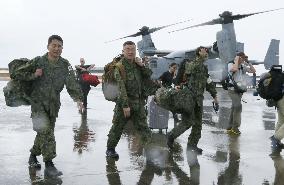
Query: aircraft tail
x=272, y=55
x=146, y=44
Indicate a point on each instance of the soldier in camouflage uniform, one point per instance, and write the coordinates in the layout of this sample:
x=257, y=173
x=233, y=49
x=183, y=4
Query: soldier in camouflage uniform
x=130, y=105
x=197, y=79
x=49, y=74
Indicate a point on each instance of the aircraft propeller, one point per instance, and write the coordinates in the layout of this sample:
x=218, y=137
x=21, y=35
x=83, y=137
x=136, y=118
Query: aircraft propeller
x=146, y=30
x=225, y=18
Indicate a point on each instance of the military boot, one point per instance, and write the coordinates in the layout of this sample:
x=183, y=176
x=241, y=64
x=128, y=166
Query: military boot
x=275, y=143
x=33, y=162
x=111, y=153
x=50, y=170
x=170, y=141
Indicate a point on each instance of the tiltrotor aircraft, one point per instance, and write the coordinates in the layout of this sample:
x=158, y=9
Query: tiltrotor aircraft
x=220, y=53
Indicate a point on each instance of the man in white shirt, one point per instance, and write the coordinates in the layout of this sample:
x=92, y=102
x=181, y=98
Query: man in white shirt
x=237, y=70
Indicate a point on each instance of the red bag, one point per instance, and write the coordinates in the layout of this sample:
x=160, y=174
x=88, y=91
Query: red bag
x=90, y=79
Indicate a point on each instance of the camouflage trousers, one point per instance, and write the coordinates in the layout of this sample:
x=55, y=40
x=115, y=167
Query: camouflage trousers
x=137, y=117
x=44, y=143
x=279, y=128
x=190, y=119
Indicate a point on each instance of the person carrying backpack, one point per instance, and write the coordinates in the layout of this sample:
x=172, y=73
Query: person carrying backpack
x=48, y=75
x=237, y=87
x=279, y=128
x=270, y=87
x=197, y=80
x=129, y=73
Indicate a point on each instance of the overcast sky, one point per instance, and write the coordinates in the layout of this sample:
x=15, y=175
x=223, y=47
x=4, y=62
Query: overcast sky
x=86, y=24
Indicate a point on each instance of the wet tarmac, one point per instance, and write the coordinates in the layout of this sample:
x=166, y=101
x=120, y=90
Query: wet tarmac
x=81, y=144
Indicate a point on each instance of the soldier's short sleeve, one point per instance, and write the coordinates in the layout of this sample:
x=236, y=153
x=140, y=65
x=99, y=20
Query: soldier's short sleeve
x=72, y=85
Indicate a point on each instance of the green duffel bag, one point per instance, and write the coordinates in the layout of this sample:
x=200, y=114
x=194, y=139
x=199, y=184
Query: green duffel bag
x=17, y=93
x=178, y=101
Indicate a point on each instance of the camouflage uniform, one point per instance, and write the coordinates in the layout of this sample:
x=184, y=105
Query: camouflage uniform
x=130, y=95
x=45, y=99
x=279, y=128
x=197, y=79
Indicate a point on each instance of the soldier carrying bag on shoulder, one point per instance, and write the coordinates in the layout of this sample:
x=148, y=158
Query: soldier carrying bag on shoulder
x=17, y=91
x=109, y=84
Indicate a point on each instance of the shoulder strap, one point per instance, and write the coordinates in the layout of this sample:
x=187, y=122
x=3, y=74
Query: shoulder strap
x=121, y=68
x=229, y=73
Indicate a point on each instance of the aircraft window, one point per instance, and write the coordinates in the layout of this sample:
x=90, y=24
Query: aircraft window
x=188, y=55
x=153, y=64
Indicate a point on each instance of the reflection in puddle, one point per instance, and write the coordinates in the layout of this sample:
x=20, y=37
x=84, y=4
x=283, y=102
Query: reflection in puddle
x=269, y=118
x=219, y=119
x=231, y=173
x=83, y=136
x=159, y=161
x=38, y=179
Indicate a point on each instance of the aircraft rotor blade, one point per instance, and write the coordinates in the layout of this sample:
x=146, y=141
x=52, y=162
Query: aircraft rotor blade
x=230, y=17
x=133, y=35
x=152, y=30
x=214, y=21
x=148, y=31
x=241, y=16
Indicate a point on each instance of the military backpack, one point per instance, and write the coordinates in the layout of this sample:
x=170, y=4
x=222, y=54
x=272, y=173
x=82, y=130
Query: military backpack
x=17, y=92
x=270, y=85
x=109, y=85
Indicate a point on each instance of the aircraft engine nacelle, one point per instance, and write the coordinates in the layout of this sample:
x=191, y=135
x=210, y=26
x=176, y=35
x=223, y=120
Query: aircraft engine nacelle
x=226, y=42
x=145, y=44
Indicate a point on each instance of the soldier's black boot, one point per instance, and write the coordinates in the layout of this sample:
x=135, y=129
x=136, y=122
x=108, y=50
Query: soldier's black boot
x=33, y=162
x=50, y=170
x=170, y=141
x=111, y=153
x=276, y=144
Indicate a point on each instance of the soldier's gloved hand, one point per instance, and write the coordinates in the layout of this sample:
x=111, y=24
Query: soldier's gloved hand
x=126, y=112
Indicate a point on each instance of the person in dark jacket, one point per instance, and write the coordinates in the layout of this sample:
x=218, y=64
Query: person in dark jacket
x=167, y=79
x=84, y=69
